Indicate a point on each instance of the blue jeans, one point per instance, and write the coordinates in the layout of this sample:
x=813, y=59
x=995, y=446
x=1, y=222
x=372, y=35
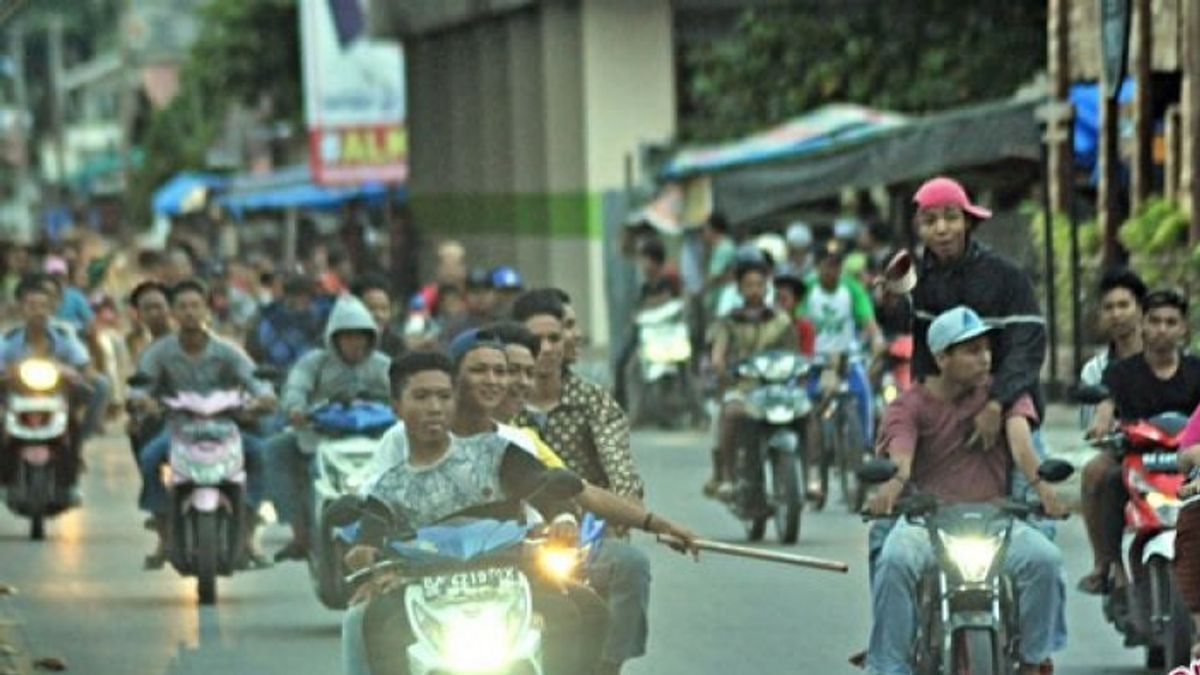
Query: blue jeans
x=289, y=478
x=860, y=388
x=1033, y=561
x=354, y=644
x=621, y=573
x=157, y=452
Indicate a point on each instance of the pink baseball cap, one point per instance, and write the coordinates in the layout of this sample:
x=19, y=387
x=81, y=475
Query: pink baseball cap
x=942, y=191
x=54, y=265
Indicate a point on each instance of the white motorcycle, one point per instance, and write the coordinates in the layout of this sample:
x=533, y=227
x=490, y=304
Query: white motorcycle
x=37, y=438
x=661, y=389
x=347, y=436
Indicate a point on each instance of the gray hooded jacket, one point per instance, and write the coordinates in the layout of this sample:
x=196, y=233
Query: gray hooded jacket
x=322, y=374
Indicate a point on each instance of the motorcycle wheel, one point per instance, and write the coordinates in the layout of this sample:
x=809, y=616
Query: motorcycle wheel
x=786, y=496
x=37, y=490
x=207, y=552
x=975, y=652
x=756, y=526
x=1175, y=638
x=829, y=451
x=850, y=459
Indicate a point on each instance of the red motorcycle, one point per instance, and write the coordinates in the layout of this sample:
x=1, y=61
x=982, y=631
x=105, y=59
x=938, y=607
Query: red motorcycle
x=1149, y=611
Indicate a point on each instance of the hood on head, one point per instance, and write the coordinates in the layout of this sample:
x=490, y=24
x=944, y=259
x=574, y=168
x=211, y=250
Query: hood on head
x=349, y=313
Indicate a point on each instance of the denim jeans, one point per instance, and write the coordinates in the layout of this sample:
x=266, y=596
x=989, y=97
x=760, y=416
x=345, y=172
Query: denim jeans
x=860, y=388
x=1033, y=561
x=157, y=452
x=621, y=573
x=289, y=477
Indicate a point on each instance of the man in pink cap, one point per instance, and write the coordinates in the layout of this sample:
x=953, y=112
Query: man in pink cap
x=955, y=269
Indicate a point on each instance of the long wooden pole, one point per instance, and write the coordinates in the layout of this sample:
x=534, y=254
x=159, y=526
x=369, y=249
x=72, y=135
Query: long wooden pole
x=760, y=554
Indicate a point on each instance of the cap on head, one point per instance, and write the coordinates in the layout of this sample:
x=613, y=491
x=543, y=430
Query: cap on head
x=799, y=235
x=507, y=278
x=955, y=326
x=469, y=341
x=942, y=191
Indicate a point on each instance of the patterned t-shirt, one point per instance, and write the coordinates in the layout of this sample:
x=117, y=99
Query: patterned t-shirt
x=467, y=475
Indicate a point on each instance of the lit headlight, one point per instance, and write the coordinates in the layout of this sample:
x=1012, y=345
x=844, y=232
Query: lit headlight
x=558, y=562
x=479, y=643
x=1167, y=508
x=38, y=374
x=973, y=556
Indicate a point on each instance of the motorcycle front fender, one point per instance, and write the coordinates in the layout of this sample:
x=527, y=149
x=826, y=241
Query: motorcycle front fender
x=1161, y=545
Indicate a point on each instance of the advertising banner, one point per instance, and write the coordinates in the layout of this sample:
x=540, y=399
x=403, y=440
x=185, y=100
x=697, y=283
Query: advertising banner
x=354, y=96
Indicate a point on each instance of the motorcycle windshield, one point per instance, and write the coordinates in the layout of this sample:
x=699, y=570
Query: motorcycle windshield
x=460, y=542
x=357, y=418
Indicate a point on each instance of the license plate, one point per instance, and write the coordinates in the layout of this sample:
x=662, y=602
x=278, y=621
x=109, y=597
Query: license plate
x=467, y=584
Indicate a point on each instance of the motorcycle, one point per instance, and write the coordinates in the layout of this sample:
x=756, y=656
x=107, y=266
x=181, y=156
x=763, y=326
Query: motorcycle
x=967, y=623
x=347, y=435
x=466, y=588
x=776, y=411
x=842, y=441
x=207, y=515
x=38, y=434
x=1150, y=610
x=661, y=388
x=891, y=374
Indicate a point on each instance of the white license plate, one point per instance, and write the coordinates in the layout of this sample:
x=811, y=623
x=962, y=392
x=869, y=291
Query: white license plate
x=466, y=584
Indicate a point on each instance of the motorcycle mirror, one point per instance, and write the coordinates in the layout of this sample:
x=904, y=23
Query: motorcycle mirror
x=877, y=471
x=344, y=510
x=1089, y=394
x=1055, y=470
x=138, y=380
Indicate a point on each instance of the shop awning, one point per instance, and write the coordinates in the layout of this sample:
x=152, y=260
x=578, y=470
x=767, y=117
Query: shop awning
x=293, y=188
x=186, y=192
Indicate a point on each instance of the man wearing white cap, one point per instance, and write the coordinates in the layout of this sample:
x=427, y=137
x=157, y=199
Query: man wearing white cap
x=927, y=432
x=799, y=239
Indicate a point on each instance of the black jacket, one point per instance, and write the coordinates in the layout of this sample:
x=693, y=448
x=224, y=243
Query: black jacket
x=1002, y=294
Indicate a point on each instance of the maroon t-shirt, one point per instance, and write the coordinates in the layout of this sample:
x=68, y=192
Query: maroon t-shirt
x=937, y=432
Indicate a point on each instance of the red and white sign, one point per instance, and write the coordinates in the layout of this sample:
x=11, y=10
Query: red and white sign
x=354, y=96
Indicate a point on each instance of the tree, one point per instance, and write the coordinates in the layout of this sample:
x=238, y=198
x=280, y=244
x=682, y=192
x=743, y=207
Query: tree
x=913, y=56
x=248, y=53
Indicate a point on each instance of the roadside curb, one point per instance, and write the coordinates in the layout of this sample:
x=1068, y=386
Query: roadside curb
x=14, y=647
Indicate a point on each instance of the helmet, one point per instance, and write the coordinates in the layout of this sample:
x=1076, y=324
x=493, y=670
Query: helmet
x=773, y=246
x=799, y=235
x=505, y=277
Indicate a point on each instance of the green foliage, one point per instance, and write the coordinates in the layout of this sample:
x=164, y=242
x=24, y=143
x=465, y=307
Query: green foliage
x=1090, y=251
x=248, y=53
x=912, y=56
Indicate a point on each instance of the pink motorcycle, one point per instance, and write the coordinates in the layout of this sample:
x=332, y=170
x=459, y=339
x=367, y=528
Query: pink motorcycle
x=207, y=515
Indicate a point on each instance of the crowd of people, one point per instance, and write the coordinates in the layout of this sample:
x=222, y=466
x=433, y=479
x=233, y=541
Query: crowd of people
x=480, y=371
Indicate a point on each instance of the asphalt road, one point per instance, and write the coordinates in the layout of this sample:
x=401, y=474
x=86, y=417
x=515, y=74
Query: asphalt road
x=84, y=597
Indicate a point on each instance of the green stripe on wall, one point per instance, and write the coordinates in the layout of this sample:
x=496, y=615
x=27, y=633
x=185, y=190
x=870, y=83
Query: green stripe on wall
x=562, y=214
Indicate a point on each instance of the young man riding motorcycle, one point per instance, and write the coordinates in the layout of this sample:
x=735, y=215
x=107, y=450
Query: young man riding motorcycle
x=752, y=328
x=348, y=367
x=195, y=359
x=928, y=433
x=40, y=336
x=1162, y=379
x=437, y=474
x=1121, y=295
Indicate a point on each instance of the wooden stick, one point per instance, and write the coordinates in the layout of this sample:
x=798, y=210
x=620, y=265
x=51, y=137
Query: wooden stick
x=760, y=554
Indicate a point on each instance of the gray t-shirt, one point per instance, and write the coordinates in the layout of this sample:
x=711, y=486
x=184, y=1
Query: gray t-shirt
x=221, y=365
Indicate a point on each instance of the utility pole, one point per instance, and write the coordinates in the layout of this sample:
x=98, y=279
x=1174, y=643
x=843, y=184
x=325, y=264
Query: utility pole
x=54, y=57
x=1191, y=107
x=16, y=51
x=127, y=103
x=1143, y=56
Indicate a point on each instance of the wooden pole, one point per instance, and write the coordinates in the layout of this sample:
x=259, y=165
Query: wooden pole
x=760, y=554
x=1059, y=60
x=1108, y=195
x=1191, y=106
x=1143, y=136
x=1171, y=165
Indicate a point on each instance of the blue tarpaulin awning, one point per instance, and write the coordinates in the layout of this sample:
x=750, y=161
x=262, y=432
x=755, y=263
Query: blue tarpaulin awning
x=185, y=192
x=293, y=187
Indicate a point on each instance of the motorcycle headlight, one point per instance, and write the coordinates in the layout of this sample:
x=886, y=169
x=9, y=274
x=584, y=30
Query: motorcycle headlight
x=558, y=562
x=1167, y=508
x=473, y=636
x=38, y=374
x=972, y=555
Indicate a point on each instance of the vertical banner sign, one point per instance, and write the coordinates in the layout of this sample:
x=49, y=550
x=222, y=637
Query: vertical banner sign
x=354, y=96
x=1114, y=42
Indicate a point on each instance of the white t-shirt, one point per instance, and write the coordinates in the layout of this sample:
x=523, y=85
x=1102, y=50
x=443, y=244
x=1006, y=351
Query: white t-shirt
x=393, y=448
x=832, y=315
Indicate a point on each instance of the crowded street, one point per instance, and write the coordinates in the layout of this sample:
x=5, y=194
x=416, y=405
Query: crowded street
x=85, y=598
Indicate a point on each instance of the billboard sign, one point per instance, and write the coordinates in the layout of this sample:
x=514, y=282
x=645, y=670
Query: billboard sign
x=354, y=96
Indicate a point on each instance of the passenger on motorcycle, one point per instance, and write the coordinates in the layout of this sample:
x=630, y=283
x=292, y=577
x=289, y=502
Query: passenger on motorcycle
x=438, y=473
x=1121, y=295
x=590, y=432
x=790, y=291
x=840, y=311
x=1162, y=379
x=348, y=367
x=927, y=432
x=287, y=328
x=195, y=359
x=41, y=336
x=753, y=328
x=152, y=320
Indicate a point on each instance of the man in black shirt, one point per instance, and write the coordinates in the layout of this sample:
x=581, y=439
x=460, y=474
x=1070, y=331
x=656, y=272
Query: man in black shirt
x=1161, y=379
